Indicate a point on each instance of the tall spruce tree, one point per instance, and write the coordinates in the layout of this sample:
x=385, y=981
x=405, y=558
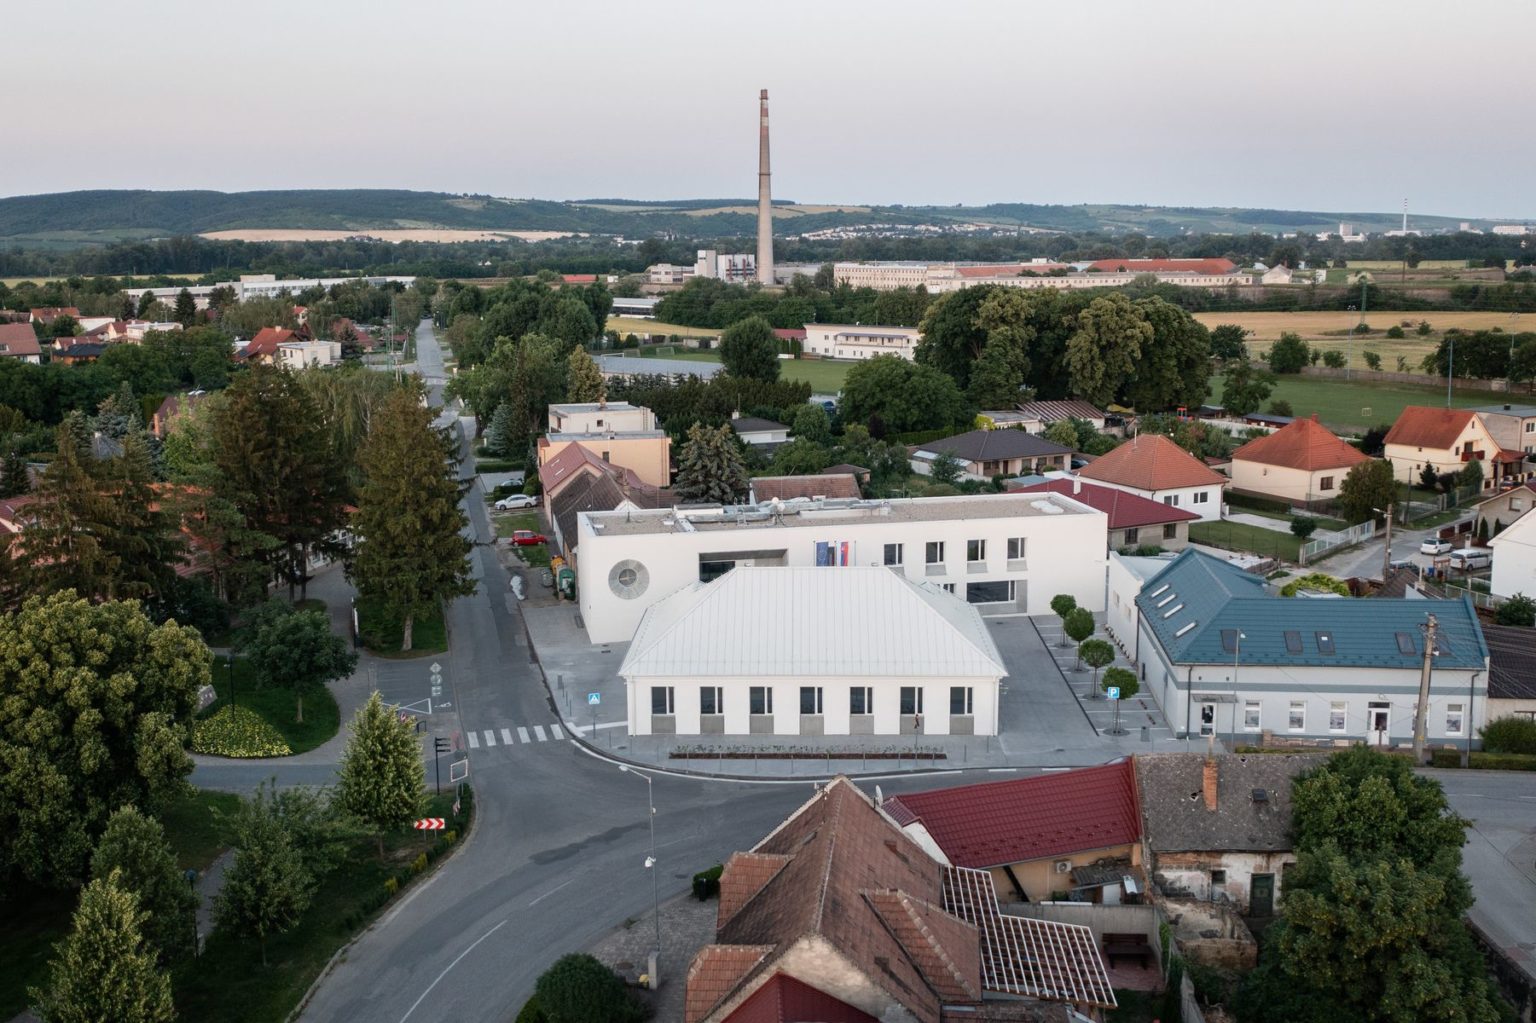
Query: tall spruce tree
x=411, y=552
x=501, y=437
x=69, y=545
x=134, y=846
x=14, y=479
x=383, y=782
x=711, y=468
x=584, y=381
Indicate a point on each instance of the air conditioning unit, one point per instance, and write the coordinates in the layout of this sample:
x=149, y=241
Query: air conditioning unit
x=1063, y=866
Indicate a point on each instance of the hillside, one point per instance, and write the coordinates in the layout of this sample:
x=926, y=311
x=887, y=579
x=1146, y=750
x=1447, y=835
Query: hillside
x=115, y=215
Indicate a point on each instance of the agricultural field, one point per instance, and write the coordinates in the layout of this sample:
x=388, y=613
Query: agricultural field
x=640, y=327
x=1331, y=330
x=824, y=375
x=1352, y=406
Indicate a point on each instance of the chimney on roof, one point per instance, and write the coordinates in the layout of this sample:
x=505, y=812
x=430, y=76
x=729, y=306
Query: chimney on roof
x=1077, y=486
x=1209, y=785
x=1314, y=417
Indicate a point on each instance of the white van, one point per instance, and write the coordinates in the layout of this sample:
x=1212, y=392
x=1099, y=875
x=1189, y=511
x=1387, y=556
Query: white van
x=1469, y=559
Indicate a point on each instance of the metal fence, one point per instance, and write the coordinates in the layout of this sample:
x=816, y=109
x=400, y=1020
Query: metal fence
x=1344, y=538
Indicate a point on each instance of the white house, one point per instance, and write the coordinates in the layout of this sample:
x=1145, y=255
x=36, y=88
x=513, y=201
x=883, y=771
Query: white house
x=1300, y=463
x=1156, y=468
x=1514, y=558
x=1449, y=438
x=753, y=430
x=800, y=651
x=855, y=341
x=299, y=354
x=1224, y=657
x=1008, y=553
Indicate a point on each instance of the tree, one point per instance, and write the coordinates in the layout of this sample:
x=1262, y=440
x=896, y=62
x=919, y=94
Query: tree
x=1517, y=610
x=1373, y=360
x=1302, y=527
x=145, y=301
x=134, y=846
x=104, y=969
x=1174, y=365
x=946, y=468
x=382, y=781
x=799, y=457
x=810, y=422
x=97, y=704
x=1245, y=387
x=905, y=396
x=579, y=989
x=1123, y=679
x=267, y=887
x=1281, y=407
x=14, y=478
x=410, y=552
x=1078, y=625
x=186, y=308
x=1366, y=487
x=1062, y=605
x=710, y=469
x=1289, y=354
x=584, y=381
x=297, y=650
x=1429, y=476
x=749, y=349
x=500, y=437
x=1471, y=477
x=1103, y=354
x=1333, y=359
x=1062, y=432
x=1228, y=341
x=1096, y=653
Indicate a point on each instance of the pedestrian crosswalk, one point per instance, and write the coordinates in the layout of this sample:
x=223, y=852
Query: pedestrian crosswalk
x=490, y=738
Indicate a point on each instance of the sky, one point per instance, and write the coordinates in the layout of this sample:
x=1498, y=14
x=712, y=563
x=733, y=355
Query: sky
x=1304, y=105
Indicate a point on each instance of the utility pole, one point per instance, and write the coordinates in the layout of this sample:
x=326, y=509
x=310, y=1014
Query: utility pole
x=1420, y=715
x=1450, y=366
x=1386, y=556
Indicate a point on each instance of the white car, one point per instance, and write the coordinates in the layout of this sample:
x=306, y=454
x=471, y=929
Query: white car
x=1435, y=545
x=1469, y=558
x=517, y=501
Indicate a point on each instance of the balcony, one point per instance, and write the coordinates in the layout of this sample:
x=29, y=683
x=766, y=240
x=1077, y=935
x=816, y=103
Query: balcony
x=1472, y=456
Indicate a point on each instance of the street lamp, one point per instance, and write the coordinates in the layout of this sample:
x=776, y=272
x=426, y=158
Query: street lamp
x=650, y=861
x=1349, y=347
x=1237, y=653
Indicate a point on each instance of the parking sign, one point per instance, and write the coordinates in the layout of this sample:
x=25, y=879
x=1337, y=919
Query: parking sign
x=1113, y=692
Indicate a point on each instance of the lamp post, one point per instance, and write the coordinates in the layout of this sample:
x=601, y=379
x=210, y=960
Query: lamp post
x=650, y=861
x=229, y=669
x=1237, y=654
x=1386, y=557
x=1349, y=347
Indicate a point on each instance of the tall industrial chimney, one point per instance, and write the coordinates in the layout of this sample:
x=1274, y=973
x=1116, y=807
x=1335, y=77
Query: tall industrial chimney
x=764, y=199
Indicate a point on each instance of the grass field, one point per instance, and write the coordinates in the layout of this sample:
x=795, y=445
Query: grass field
x=1354, y=406
x=635, y=325
x=824, y=375
x=1239, y=536
x=382, y=634
x=322, y=718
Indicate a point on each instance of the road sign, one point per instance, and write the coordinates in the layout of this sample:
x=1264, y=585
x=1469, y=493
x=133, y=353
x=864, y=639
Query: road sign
x=437, y=669
x=1113, y=692
x=430, y=824
x=593, y=699
x=458, y=771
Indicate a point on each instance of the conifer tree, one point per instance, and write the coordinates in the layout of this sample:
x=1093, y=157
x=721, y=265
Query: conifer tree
x=499, y=438
x=383, y=782
x=65, y=546
x=14, y=480
x=186, y=308
x=711, y=468
x=584, y=381
x=146, y=300
x=104, y=970
x=134, y=846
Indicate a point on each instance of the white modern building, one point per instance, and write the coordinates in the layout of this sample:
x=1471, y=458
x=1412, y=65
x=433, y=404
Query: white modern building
x=1006, y=553
x=308, y=354
x=855, y=341
x=800, y=651
x=260, y=286
x=736, y=267
x=1514, y=559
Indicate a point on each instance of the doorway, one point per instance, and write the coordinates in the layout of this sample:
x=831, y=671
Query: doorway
x=1261, y=895
x=1207, y=719
x=1378, y=718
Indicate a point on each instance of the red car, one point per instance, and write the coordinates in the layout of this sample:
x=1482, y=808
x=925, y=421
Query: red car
x=528, y=538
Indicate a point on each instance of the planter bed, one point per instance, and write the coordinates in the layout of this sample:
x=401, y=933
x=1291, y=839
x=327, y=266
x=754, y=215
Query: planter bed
x=808, y=755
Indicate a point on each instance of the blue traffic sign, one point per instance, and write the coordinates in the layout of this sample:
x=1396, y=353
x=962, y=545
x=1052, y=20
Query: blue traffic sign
x=593, y=699
x=1113, y=692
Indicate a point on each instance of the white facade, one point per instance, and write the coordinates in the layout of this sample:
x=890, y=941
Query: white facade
x=736, y=267
x=600, y=417
x=260, y=286
x=1006, y=552
x=301, y=354
x=852, y=341
x=1204, y=501
x=1514, y=559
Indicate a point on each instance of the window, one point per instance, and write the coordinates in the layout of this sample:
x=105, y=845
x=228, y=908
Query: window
x=1229, y=640
x=1337, y=715
x=1170, y=532
x=1015, y=548
x=1132, y=534
x=1405, y=643
x=960, y=699
x=989, y=593
x=1298, y=718
x=933, y=552
x=911, y=699
x=711, y=700
x=1325, y=642
x=1516, y=504
x=893, y=554
x=661, y=700
x=1172, y=499
x=861, y=700
x=810, y=699
x=947, y=587
x=761, y=699
x=975, y=550
x=1218, y=877
x=1326, y=483
x=1251, y=716
x=1454, y=720
x=1202, y=497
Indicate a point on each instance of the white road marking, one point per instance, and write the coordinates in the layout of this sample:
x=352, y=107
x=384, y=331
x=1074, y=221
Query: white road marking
x=490, y=737
x=522, y=734
x=538, y=731
x=554, y=730
x=552, y=891
x=474, y=743
x=506, y=736
x=450, y=966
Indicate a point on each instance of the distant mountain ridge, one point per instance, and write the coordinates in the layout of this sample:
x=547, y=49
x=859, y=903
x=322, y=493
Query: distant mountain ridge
x=111, y=214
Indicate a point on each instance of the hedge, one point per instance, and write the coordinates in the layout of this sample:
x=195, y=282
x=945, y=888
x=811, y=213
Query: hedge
x=237, y=732
x=1509, y=735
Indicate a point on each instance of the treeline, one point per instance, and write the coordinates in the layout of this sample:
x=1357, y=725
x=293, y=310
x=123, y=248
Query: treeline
x=706, y=302
x=476, y=318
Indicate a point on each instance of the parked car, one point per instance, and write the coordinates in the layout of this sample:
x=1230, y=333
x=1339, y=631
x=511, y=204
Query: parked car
x=1435, y=545
x=528, y=538
x=517, y=501
x=1469, y=558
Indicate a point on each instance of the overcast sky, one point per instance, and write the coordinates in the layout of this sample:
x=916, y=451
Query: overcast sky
x=1316, y=105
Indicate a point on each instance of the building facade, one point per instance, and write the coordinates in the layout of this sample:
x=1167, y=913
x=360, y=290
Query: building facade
x=1301, y=463
x=1448, y=439
x=852, y=341
x=1514, y=558
x=1156, y=468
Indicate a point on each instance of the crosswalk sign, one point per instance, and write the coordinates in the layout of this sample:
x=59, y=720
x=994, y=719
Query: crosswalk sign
x=593, y=699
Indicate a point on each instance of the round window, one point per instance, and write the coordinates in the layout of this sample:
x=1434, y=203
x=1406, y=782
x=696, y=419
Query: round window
x=628, y=579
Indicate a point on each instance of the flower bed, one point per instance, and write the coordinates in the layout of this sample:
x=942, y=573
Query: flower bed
x=237, y=732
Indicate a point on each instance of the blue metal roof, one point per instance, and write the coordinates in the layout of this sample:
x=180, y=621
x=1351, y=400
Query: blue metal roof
x=1192, y=603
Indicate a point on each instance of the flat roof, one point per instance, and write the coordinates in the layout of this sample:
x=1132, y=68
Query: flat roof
x=713, y=518
x=561, y=438
x=1523, y=411
x=572, y=407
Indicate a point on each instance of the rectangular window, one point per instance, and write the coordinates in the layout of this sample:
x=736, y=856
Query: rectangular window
x=975, y=550
x=1170, y=532
x=1298, y=718
x=1132, y=535
x=661, y=700
x=1337, y=716
x=1229, y=640
x=999, y=592
x=911, y=699
x=1015, y=548
x=933, y=552
x=1218, y=877
x=1171, y=500
x=1405, y=643
x=810, y=699
x=1202, y=497
x=960, y=699
x=1325, y=642
x=947, y=587
x=893, y=554
x=762, y=699
x=861, y=700
x=1251, y=716
x=1292, y=641
x=1516, y=504
x=1326, y=483
x=1454, y=719
x=711, y=700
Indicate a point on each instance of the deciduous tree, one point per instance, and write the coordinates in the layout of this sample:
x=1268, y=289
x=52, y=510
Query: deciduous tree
x=1104, y=352
x=1078, y=625
x=382, y=781
x=297, y=650
x=1245, y=387
x=584, y=381
x=1096, y=653
x=268, y=887
x=1229, y=341
x=749, y=349
x=134, y=847
x=1366, y=487
x=904, y=395
x=1289, y=354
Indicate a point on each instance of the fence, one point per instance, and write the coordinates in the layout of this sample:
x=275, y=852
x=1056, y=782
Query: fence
x=1383, y=376
x=1345, y=538
x=1487, y=601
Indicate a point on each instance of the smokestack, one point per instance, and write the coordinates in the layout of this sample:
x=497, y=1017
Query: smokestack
x=764, y=199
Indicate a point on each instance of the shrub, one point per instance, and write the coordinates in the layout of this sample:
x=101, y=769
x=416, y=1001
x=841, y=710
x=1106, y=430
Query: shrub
x=1424, y=329
x=532, y=1012
x=237, y=732
x=579, y=989
x=706, y=883
x=419, y=863
x=1503, y=761
x=1445, y=758
x=1517, y=610
x=391, y=885
x=1509, y=735
x=1395, y=332
x=1303, y=526
x=498, y=464
x=1333, y=359
x=450, y=837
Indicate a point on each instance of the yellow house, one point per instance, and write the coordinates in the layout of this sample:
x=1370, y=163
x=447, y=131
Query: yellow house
x=619, y=433
x=1299, y=463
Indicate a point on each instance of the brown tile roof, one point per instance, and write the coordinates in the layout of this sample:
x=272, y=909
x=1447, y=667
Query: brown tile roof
x=1125, y=509
x=1423, y=427
x=745, y=875
x=18, y=340
x=1151, y=462
x=992, y=445
x=266, y=341
x=1302, y=444
x=47, y=314
x=566, y=464
x=715, y=972
x=587, y=492
x=928, y=933
x=784, y=1000
x=787, y=488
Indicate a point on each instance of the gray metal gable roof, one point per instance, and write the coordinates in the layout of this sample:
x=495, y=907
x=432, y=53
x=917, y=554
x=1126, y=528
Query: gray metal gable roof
x=1197, y=597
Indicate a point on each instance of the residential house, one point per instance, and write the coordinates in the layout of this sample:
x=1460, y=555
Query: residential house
x=263, y=348
x=15, y=513
x=1076, y=832
x=838, y=916
x=173, y=406
x=1134, y=521
x=1218, y=828
x=760, y=433
x=308, y=354
x=858, y=472
x=623, y=367
x=47, y=314
x=855, y=341
x=804, y=651
x=1494, y=513
x=19, y=341
x=1514, y=558
x=1155, y=467
x=1302, y=463
x=818, y=487
x=1224, y=656
x=69, y=351
x=1512, y=427
x=984, y=454
x=1006, y=552
x=1511, y=671
x=1038, y=416
x=619, y=433
x=1449, y=438
x=1276, y=275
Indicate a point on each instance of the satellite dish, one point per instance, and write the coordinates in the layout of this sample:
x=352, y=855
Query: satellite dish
x=879, y=797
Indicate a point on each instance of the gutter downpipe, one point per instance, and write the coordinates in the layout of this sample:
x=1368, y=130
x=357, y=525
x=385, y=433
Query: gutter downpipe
x=1189, y=686
x=1466, y=759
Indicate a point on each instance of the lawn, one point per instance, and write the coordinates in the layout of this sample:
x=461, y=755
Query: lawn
x=536, y=556
x=1239, y=536
x=1353, y=405
x=382, y=634
x=322, y=718
x=637, y=326
x=195, y=829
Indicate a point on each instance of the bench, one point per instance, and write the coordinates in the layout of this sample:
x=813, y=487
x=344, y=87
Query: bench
x=1127, y=946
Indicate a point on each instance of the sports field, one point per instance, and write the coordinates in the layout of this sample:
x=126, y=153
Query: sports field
x=635, y=325
x=1352, y=406
x=824, y=376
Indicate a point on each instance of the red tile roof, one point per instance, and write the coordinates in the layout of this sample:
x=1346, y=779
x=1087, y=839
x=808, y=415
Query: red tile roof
x=1125, y=510
x=1151, y=462
x=1424, y=427
x=1137, y=266
x=579, y=278
x=996, y=823
x=715, y=972
x=47, y=314
x=266, y=341
x=18, y=340
x=787, y=488
x=1301, y=444
x=789, y=333
x=566, y=463
x=786, y=1000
